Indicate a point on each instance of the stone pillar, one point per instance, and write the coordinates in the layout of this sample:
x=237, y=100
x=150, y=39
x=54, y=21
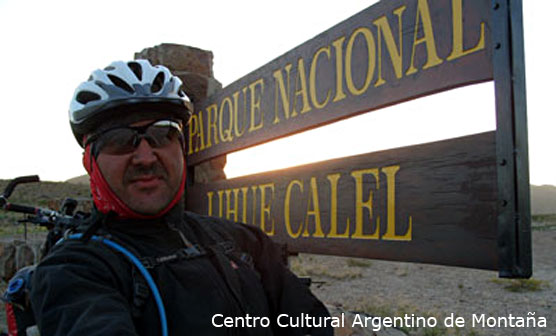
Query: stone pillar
x=16, y=254
x=194, y=67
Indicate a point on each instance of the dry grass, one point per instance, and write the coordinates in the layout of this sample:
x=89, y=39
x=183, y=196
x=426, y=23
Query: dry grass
x=307, y=266
x=353, y=262
x=522, y=285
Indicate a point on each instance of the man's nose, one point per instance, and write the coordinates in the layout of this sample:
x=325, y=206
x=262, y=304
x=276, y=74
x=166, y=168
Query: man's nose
x=144, y=154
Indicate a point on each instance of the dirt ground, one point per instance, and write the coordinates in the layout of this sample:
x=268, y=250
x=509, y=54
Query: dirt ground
x=389, y=289
x=382, y=288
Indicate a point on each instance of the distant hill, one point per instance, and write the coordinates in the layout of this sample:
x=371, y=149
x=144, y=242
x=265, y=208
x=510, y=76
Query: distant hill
x=83, y=179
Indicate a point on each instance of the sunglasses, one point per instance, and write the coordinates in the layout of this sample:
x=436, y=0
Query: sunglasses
x=125, y=139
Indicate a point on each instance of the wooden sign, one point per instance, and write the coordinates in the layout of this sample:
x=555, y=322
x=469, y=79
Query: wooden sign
x=462, y=202
x=406, y=204
x=391, y=52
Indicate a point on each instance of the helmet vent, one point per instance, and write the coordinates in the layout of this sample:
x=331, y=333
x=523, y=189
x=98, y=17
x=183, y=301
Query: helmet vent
x=158, y=83
x=136, y=68
x=86, y=96
x=120, y=83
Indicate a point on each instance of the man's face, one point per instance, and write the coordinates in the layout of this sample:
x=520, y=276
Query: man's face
x=148, y=178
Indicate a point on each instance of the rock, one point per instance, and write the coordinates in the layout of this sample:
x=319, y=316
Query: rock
x=211, y=171
x=7, y=260
x=17, y=254
x=192, y=65
x=197, y=86
x=179, y=58
x=24, y=255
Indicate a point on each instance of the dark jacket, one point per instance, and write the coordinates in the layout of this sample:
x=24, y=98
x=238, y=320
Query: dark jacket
x=90, y=289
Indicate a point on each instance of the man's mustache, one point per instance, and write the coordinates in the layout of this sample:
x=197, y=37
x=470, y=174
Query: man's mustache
x=135, y=172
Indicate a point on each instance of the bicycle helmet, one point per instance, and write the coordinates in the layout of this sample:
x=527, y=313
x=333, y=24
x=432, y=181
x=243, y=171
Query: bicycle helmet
x=123, y=90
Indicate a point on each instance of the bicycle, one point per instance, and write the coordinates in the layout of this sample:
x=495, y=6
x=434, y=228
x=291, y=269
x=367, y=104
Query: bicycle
x=16, y=296
x=61, y=226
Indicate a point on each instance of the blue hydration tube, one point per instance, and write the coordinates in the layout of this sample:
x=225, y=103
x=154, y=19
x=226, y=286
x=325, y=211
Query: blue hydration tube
x=142, y=269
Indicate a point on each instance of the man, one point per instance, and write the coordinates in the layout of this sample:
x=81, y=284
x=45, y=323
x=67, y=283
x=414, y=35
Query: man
x=214, y=277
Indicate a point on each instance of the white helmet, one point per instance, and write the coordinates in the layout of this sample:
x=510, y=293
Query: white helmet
x=110, y=92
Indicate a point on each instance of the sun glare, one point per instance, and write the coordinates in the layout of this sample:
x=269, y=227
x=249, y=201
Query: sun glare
x=451, y=114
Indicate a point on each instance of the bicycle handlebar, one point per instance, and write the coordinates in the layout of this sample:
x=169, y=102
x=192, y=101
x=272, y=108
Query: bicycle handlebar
x=40, y=216
x=18, y=180
x=21, y=208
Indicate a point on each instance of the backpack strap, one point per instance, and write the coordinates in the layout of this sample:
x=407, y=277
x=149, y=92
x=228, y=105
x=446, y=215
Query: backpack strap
x=141, y=293
x=135, y=262
x=222, y=252
x=95, y=225
x=141, y=290
x=194, y=251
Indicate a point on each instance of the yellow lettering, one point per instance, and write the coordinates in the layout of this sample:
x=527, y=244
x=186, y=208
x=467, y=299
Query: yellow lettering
x=211, y=124
x=226, y=134
x=200, y=133
x=333, y=178
x=244, y=204
x=395, y=53
x=457, y=33
x=287, y=200
x=284, y=94
x=254, y=190
x=313, y=211
x=371, y=49
x=360, y=204
x=236, y=113
x=313, y=79
x=220, y=203
x=265, y=208
x=209, y=196
x=301, y=89
x=423, y=14
x=390, y=234
x=193, y=130
x=232, y=211
x=337, y=44
x=256, y=104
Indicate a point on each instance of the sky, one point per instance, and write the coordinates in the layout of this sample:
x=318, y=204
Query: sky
x=49, y=47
